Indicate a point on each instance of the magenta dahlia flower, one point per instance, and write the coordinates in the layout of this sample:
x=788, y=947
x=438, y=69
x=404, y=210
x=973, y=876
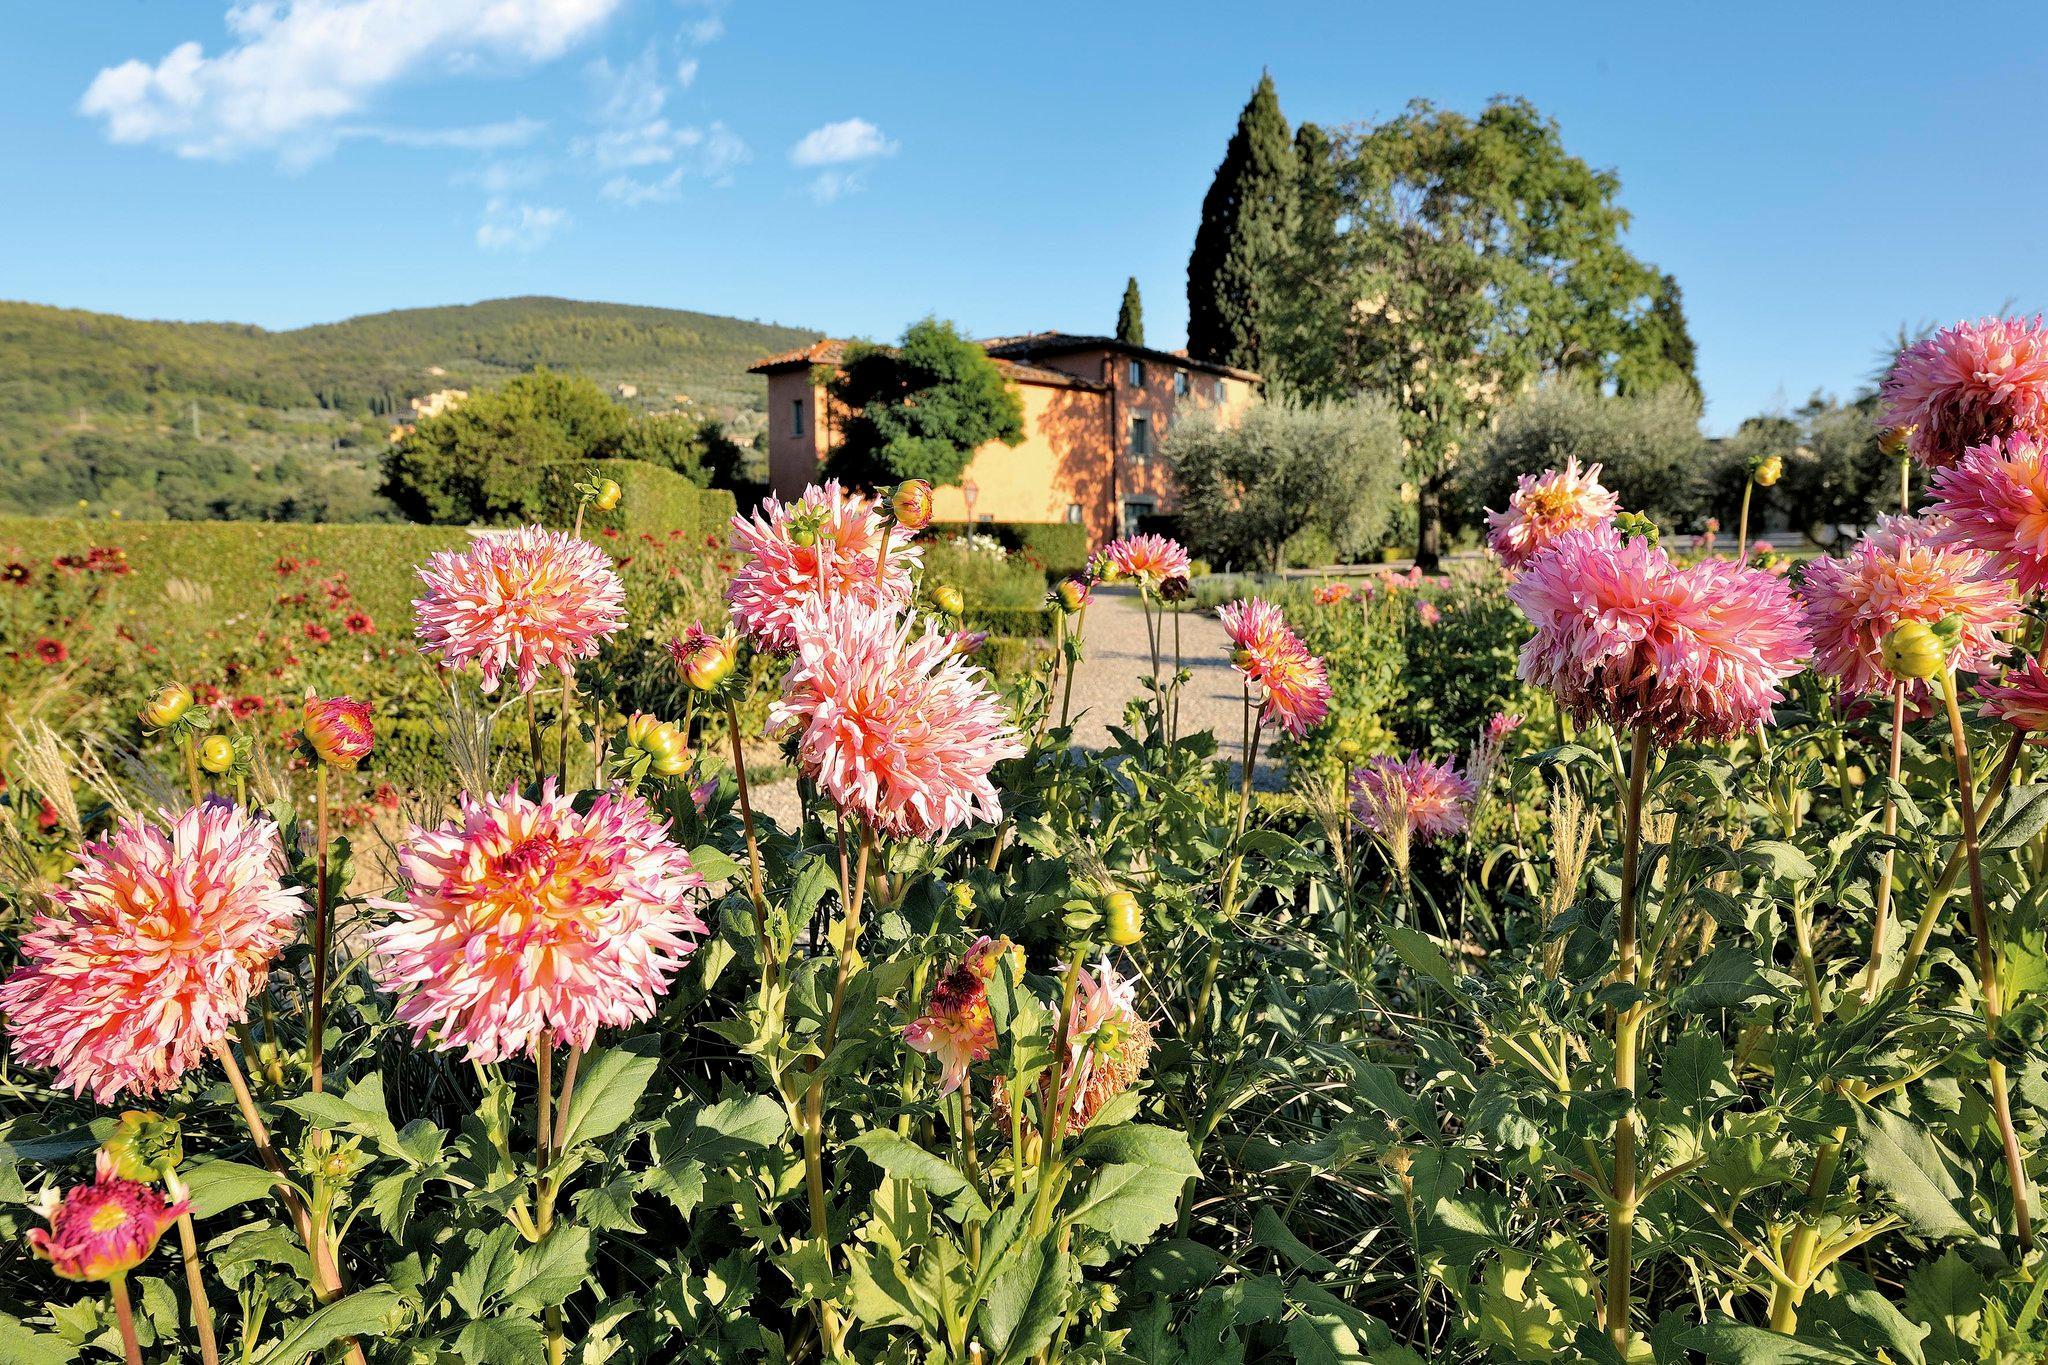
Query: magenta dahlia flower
x=1149, y=561
x=891, y=722
x=1901, y=572
x=1412, y=799
x=519, y=600
x=104, y=1229
x=1625, y=636
x=522, y=916
x=158, y=939
x=1996, y=499
x=1545, y=506
x=1268, y=654
x=1968, y=384
x=823, y=544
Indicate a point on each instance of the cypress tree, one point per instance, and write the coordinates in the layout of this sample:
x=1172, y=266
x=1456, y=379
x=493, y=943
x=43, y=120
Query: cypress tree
x=1676, y=337
x=1130, y=319
x=1246, y=230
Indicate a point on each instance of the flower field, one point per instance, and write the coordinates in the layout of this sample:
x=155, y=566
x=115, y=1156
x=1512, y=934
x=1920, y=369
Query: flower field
x=1641, y=958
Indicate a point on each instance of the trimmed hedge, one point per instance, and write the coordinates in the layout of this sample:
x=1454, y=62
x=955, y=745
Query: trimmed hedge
x=1021, y=622
x=655, y=500
x=1061, y=546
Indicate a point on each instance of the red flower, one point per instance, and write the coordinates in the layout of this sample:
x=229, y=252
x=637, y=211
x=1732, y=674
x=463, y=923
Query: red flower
x=286, y=566
x=16, y=573
x=359, y=623
x=46, y=818
x=245, y=706
x=611, y=533
x=51, y=652
x=318, y=633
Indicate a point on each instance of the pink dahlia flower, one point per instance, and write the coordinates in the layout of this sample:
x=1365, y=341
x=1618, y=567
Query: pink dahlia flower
x=1996, y=499
x=104, y=1229
x=956, y=1026
x=158, y=939
x=340, y=730
x=1267, y=653
x=1899, y=573
x=527, y=915
x=2020, y=698
x=519, y=600
x=1968, y=384
x=1412, y=799
x=1545, y=506
x=891, y=722
x=1625, y=636
x=1108, y=1041
x=824, y=544
x=1147, y=560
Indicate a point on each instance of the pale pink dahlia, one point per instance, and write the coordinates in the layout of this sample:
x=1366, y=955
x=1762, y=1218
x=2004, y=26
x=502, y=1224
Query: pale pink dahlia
x=104, y=1229
x=519, y=600
x=822, y=544
x=1625, y=636
x=522, y=916
x=1150, y=561
x=1267, y=653
x=1412, y=798
x=2020, y=698
x=1545, y=506
x=158, y=939
x=1901, y=572
x=1968, y=384
x=890, y=721
x=1996, y=499
x=1108, y=1041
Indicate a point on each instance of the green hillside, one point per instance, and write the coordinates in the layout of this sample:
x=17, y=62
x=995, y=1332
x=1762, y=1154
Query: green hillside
x=225, y=420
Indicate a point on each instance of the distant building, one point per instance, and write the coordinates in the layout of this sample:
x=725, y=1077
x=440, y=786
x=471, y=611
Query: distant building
x=1095, y=413
x=624, y=390
x=438, y=402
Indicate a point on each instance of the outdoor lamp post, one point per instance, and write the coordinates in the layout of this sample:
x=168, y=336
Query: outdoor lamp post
x=969, y=491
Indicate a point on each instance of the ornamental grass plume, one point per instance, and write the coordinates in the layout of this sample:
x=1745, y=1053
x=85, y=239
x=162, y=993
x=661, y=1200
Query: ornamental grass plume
x=1268, y=654
x=2020, y=698
x=518, y=600
x=524, y=916
x=1969, y=384
x=1995, y=499
x=823, y=544
x=893, y=725
x=157, y=941
x=1900, y=572
x=104, y=1229
x=1149, y=561
x=1625, y=636
x=1545, y=506
x=1415, y=799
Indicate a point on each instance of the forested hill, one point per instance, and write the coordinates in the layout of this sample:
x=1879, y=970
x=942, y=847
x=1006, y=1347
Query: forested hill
x=104, y=408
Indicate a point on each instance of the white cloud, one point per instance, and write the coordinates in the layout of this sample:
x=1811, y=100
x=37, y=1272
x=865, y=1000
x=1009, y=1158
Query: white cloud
x=853, y=139
x=624, y=189
x=635, y=135
x=707, y=30
x=500, y=178
x=295, y=68
x=827, y=186
x=686, y=73
x=482, y=137
x=518, y=227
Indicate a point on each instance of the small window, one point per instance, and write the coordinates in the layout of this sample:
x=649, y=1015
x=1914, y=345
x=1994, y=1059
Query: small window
x=1073, y=514
x=1137, y=374
x=796, y=416
x=1180, y=384
x=1141, y=437
x=1222, y=389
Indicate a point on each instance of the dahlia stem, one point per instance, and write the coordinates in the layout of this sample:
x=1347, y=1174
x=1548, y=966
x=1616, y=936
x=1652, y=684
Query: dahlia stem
x=1987, y=965
x=1198, y=1016
x=569, y=1070
x=544, y=1101
x=1627, y=1024
x=546, y=1135
x=533, y=742
x=754, y=893
x=882, y=555
x=1891, y=829
x=568, y=710
x=1742, y=524
x=195, y=1290
x=192, y=780
x=1053, y=1125
x=124, y=1313
x=1173, y=729
x=316, y=1027
x=1067, y=690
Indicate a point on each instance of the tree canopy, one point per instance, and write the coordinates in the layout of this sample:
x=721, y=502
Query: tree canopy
x=1247, y=221
x=920, y=409
x=1130, y=317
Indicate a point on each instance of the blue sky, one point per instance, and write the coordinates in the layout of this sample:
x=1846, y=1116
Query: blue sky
x=1814, y=174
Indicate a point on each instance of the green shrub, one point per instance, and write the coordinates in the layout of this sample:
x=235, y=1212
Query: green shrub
x=1024, y=622
x=1059, y=547
x=655, y=501
x=986, y=577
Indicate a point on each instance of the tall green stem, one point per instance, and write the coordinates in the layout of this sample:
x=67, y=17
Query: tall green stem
x=1891, y=829
x=316, y=1027
x=124, y=1314
x=755, y=895
x=1742, y=524
x=1621, y=1208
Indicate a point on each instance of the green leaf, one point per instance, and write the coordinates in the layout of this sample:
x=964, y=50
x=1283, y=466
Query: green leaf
x=1128, y=1201
x=22, y=1345
x=609, y=1087
x=1949, y=1296
x=484, y=1277
x=544, y=1275
x=713, y=865
x=1724, y=1341
x=905, y=1160
x=1910, y=1167
x=502, y=1341
x=1727, y=978
x=1144, y=1143
x=218, y=1186
x=360, y=1314
x=1025, y=1301
x=1786, y=862
x=1420, y=952
x=2021, y=816
x=1270, y=1232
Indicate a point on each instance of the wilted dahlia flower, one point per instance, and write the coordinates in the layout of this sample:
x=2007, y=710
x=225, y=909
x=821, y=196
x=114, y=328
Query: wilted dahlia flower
x=1545, y=506
x=1996, y=499
x=1899, y=573
x=890, y=721
x=1625, y=636
x=520, y=600
x=104, y=1229
x=1967, y=384
x=1108, y=1042
x=158, y=940
x=822, y=544
x=1147, y=560
x=527, y=915
x=2020, y=698
x=1266, y=652
x=956, y=1026
x=1412, y=799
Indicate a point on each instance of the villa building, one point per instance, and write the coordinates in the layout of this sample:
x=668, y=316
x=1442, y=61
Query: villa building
x=1095, y=413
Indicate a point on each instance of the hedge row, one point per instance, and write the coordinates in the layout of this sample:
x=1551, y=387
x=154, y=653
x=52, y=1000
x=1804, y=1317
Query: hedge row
x=655, y=500
x=1061, y=546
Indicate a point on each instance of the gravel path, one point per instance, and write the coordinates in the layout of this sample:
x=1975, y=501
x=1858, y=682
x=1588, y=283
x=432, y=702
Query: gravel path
x=1116, y=659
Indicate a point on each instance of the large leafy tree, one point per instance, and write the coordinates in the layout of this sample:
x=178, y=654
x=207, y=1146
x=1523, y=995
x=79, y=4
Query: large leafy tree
x=1245, y=233
x=699, y=451
x=1658, y=350
x=920, y=409
x=1471, y=255
x=1648, y=445
x=1247, y=487
x=482, y=460
x=1130, y=317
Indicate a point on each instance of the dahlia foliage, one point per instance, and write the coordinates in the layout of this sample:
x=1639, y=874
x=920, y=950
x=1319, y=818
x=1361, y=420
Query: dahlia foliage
x=518, y=601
